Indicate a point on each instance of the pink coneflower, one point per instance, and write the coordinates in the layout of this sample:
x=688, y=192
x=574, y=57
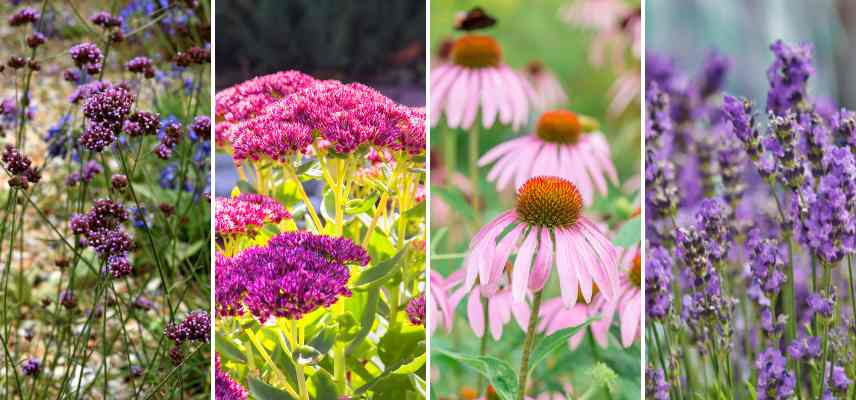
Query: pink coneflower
x=617, y=24
x=563, y=145
x=626, y=88
x=500, y=308
x=629, y=299
x=549, y=92
x=546, y=227
x=441, y=303
x=475, y=79
x=555, y=316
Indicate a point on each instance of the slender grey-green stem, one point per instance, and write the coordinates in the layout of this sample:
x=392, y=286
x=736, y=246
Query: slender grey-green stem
x=528, y=342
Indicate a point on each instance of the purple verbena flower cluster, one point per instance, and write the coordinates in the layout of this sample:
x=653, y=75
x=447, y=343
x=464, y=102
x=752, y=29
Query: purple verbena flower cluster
x=101, y=229
x=20, y=167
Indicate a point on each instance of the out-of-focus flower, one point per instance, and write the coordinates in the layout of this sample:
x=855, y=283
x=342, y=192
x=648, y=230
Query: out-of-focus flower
x=549, y=93
x=562, y=145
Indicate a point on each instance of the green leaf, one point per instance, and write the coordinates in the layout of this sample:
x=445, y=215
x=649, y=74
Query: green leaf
x=227, y=349
x=375, y=276
x=416, y=212
x=306, y=355
x=499, y=374
x=412, y=367
x=323, y=341
x=456, y=200
x=325, y=388
x=547, y=345
x=367, y=320
x=246, y=187
x=629, y=234
x=263, y=391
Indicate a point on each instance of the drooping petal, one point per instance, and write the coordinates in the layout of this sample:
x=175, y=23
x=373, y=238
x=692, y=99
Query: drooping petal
x=579, y=250
x=630, y=320
x=474, y=91
x=522, y=266
x=458, y=98
x=543, y=262
x=488, y=98
x=566, y=265
x=475, y=313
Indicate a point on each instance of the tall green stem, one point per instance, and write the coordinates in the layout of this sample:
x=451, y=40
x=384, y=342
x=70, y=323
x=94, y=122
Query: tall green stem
x=483, y=346
x=474, y=170
x=523, y=375
x=301, y=377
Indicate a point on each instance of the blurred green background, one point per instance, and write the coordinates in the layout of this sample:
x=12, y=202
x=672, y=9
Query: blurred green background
x=743, y=31
x=532, y=31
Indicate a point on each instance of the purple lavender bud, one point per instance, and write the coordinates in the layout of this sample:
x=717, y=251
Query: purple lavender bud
x=658, y=278
x=844, y=126
x=715, y=68
x=738, y=112
x=656, y=387
x=837, y=380
x=35, y=40
x=31, y=367
x=788, y=76
x=805, y=348
x=26, y=15
x=416, y=310
x=774, y=380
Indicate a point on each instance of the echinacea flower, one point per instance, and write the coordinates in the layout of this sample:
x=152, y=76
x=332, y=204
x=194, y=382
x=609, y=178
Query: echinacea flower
x=477, y=81
x=546, y=227
x=442, y=301
x=548, y=90
x=563, y=145
x=629, y=299
x=501, y=307
x=555, y=316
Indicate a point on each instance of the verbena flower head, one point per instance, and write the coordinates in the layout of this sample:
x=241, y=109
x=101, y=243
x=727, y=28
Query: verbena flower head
x=562, y=145
x=109, y=107
x=31, y=367
x=26, y=15
x=226, y=388
x=101, y=229
x=416, y=310
x=476, y=81
x=295, y=274
x=105, y=20
x=243, y=214
x=142, y=123
x=788, y=76
x=195, y=327
x=546, y=219
x=87, y=55
x=141, y=65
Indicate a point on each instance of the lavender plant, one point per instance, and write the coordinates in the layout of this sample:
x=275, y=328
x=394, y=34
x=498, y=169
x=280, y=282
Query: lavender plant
x=320, y=298
x=105, y=270
x=750, y=234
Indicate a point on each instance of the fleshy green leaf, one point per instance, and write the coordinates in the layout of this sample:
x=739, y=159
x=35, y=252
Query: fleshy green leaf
x=629, y=234
x=324, y=340
x=375, y=276
x=228, y=350
x=499, y=374
x=263, y=391
x=367, y=319
x=547, y=345
x=325, y=388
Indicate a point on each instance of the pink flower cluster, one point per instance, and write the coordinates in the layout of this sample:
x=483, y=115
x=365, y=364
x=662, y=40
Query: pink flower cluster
x=238, y=215
x=275, y=116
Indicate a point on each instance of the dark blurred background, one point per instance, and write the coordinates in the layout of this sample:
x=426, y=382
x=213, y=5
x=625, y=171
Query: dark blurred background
x=380, y=43
x=743, y=31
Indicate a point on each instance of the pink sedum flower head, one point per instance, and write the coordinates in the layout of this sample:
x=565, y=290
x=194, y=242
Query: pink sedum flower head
x=242, y=214
x=545, y=228
x=560, y=146
x=475, y=79
x=548, y=90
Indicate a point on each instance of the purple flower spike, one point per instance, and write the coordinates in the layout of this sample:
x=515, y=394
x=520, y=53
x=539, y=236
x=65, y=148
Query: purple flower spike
x=416, y=310
x=775, y=381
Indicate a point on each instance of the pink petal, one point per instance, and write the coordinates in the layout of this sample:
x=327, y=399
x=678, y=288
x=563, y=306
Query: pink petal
x=488, y=98
x=440, y=89
x=566, y=265
x=503, y=251
x=474, y=90
x=499, y=151
x=543, y=262
x=522, y=265
x=576, y=242
x=521, y=314
x=475, y=313
x=496, y=321
x=630, y=319
x=458, y=99
x=502, y=97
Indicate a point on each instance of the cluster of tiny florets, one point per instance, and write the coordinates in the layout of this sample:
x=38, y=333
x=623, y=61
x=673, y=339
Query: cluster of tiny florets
x=101, y=229
x=20, y=166
x=141, y=65
x=87, y=56
x=243, y=214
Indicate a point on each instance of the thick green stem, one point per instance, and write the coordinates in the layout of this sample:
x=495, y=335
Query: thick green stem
x=523, y=374
x=301, y=377
x=474, y=170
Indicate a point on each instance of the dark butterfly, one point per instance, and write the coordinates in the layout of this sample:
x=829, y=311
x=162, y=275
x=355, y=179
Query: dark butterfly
x=474, y=19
